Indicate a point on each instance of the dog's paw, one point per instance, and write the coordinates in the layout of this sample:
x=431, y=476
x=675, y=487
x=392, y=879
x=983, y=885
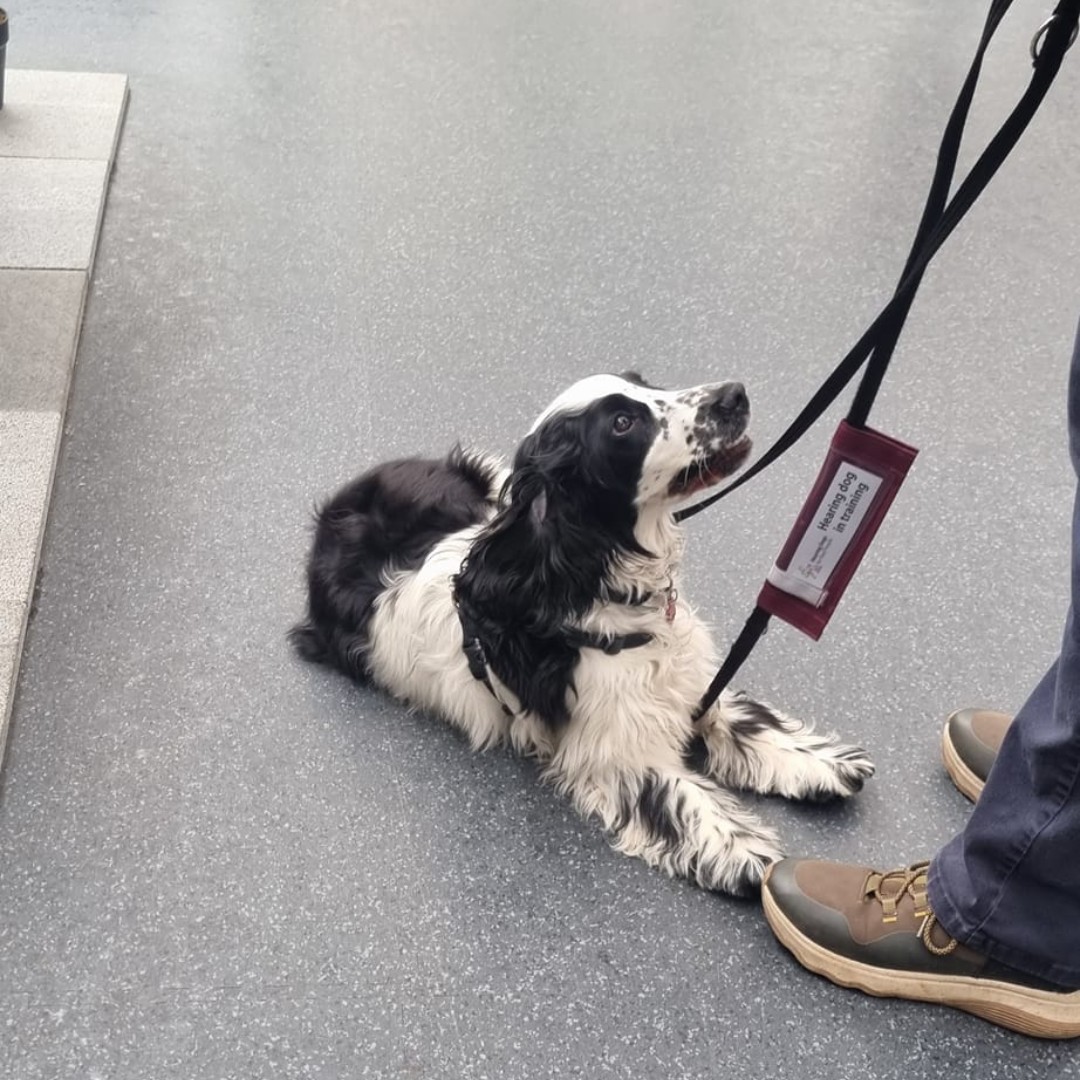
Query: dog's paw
x=839, y=774
x=742, y=871
x=753, y=746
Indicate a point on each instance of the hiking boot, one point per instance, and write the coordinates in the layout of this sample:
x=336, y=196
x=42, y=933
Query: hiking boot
x=969, y=745
x=875, y=932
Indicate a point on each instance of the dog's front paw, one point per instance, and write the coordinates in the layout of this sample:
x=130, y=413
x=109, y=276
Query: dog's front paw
x=754, y=746
x=841, y=773
x=741, y=870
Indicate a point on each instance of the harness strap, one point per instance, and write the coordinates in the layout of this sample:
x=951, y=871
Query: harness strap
x=473, y=647
x=610, y=644
x=752, y=632
x=630, y=599
x=477, y=659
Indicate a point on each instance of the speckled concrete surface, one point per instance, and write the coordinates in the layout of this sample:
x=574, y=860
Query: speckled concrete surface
x=372, y=230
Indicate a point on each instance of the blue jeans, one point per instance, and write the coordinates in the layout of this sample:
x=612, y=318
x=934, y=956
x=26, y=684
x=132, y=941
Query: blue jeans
x=1009, y=884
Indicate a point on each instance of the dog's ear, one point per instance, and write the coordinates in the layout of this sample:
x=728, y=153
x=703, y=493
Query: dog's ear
x=536, y=566
x=528, y=575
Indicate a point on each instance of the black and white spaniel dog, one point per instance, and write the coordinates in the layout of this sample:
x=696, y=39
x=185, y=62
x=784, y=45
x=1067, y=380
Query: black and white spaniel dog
x=540, y=606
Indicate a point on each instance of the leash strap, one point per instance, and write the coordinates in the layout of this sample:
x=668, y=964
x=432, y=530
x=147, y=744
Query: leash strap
x=936, y=201
x=940, y=217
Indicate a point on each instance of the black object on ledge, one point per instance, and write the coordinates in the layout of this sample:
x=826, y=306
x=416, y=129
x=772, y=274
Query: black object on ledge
x=3, y=51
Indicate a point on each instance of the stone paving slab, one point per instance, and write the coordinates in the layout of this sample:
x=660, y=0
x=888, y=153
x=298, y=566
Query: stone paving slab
x=61, y=114
x=42, y=316
x=28, y=443
x=51, y=209
x=58, y=135
x=27, y=446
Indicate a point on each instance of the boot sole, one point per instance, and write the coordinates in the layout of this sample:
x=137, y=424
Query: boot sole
x=1040, y=1013
x=967, y=783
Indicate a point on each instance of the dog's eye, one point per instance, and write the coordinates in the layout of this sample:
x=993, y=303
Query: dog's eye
x=622, y=424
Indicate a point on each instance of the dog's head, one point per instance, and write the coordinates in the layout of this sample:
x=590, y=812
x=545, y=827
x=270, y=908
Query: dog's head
x=595, y=480
x=586, y=509
x=619, y=438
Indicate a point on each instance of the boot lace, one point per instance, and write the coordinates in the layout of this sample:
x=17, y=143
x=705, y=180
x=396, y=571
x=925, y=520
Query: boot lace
x=890, y=888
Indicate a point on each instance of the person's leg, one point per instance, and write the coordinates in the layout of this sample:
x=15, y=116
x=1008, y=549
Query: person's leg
x=1009, y=884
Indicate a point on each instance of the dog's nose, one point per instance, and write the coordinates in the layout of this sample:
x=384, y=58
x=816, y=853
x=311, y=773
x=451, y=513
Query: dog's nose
x=729, y=399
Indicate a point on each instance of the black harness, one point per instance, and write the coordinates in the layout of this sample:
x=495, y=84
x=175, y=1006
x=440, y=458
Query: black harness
x=612, y=644
x=473, y=646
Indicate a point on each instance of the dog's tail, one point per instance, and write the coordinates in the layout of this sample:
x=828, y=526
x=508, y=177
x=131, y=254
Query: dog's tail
x=483, y=474
x=309, y=643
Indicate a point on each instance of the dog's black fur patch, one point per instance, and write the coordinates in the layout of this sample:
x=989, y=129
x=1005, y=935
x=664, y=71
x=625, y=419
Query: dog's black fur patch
x=391, y=517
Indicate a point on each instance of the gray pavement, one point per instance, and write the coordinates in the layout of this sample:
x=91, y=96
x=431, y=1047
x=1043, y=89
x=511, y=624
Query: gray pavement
x=340, y=233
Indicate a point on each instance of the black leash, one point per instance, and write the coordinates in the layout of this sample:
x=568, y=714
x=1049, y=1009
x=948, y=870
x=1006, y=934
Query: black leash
x=940, y=217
